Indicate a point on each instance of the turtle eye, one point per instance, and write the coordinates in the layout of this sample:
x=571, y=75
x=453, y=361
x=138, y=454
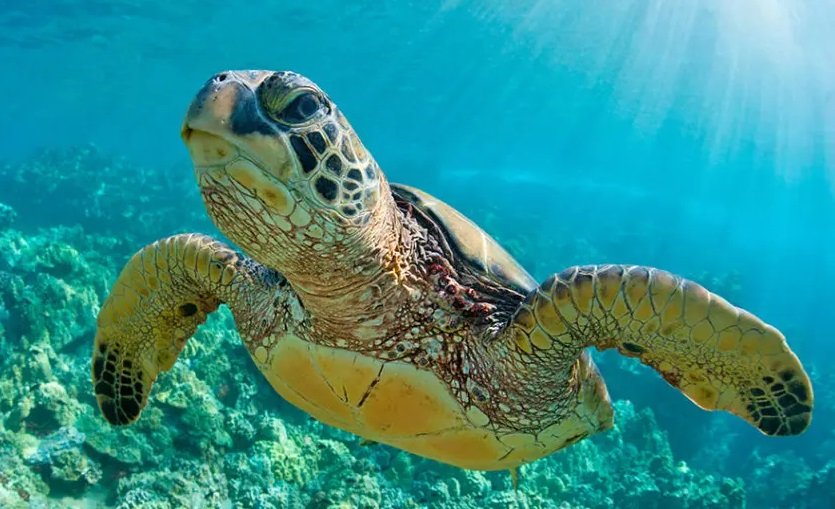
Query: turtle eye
x=301, y=109
x=288, y=106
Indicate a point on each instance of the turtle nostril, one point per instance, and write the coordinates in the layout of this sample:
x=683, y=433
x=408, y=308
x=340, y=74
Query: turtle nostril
x=221, y=77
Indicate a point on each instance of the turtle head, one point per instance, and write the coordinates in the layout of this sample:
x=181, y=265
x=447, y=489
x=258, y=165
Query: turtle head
x=275, y=159
x=279, y=132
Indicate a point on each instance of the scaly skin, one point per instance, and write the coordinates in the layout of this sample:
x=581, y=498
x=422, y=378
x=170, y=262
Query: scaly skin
x=719, y=356
x=357, y=309
x=162, y=295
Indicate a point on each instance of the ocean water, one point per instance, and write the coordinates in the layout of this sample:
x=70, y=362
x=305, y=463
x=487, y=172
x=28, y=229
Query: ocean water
x=695, y=136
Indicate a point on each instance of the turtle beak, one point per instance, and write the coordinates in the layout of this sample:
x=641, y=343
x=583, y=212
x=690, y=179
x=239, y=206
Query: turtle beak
x=225, y=122
x=223, y=115
x=226, y=106
x=185, y=132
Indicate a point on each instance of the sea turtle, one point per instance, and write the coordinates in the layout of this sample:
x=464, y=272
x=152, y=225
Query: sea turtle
x=383, y=311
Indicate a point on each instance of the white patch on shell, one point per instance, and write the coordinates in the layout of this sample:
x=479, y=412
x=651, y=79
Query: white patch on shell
x=296, y=311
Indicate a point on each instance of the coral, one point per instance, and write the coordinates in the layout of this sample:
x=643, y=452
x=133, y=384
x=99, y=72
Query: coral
x=7, y=216
x=199, y=408
x=285, y=459
x=19, y=486
x=121, y=447
x=785, y=481
x=51, y=288
x=47, y=409
x=632, y=464
x=183, y=483
x=240, y=428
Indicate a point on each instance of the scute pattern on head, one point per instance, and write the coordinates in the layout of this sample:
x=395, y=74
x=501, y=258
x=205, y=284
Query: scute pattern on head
x=341, y=173
x=331, y=165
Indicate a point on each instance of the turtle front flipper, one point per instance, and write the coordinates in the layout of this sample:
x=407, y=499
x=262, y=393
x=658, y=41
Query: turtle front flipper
x=720, y=356
x=162, y=295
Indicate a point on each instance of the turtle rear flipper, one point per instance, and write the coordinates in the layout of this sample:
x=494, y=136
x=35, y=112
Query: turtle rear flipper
x=162, y=295
x=719, y=356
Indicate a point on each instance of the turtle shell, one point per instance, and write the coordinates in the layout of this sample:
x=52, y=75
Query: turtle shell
x=469, y=243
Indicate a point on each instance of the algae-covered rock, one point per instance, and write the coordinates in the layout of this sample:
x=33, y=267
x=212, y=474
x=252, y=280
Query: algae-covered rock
x=50, y=408
x=60, y=458
x=19, y=485
x=142, y=499
x=121, y=445
x=179, y=483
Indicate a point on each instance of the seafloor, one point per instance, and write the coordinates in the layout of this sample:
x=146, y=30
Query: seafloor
x=215, y=435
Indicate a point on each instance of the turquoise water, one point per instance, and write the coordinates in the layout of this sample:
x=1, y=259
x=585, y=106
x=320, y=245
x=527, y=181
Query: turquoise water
x=693, y=136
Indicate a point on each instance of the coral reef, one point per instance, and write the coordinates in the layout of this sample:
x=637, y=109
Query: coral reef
x=216, y=435
x=85, y=187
